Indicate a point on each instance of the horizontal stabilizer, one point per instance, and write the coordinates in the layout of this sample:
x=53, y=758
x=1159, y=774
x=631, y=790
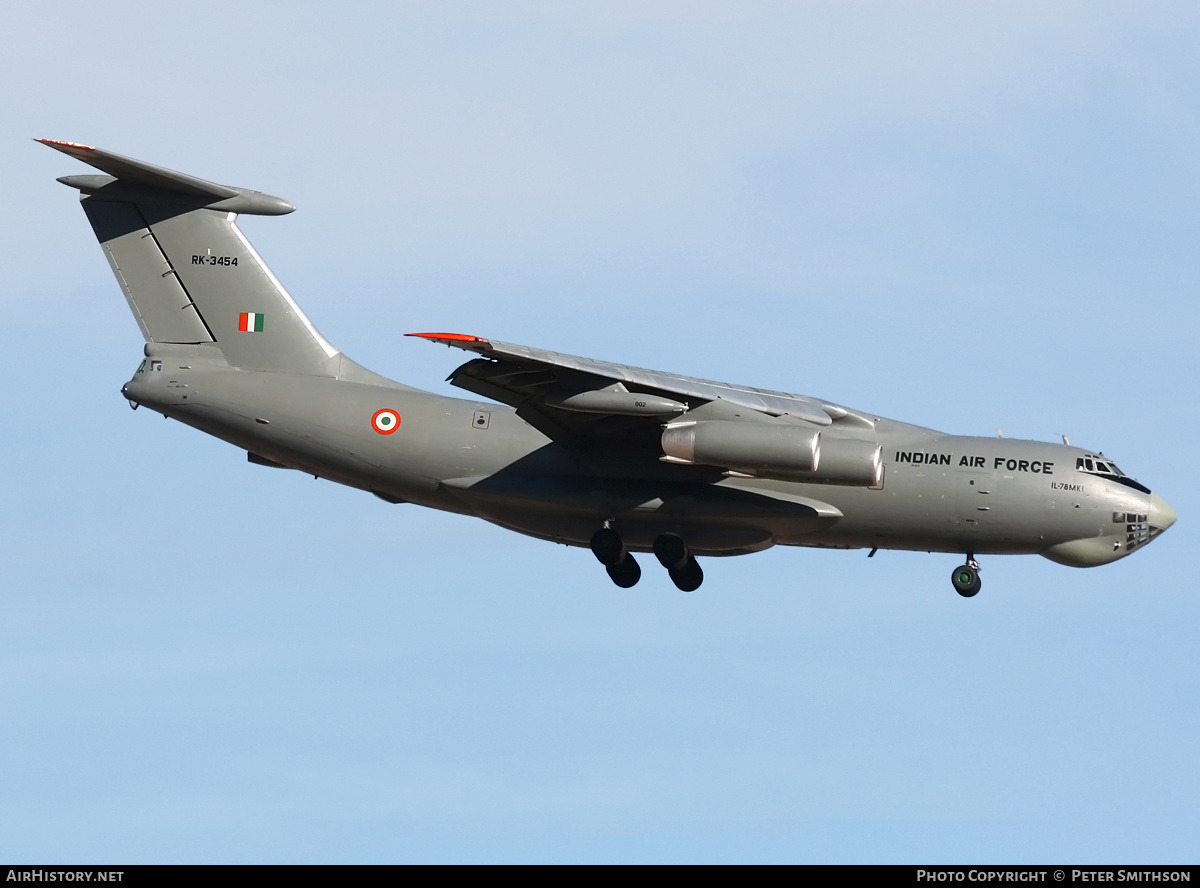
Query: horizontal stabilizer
x=133, y=178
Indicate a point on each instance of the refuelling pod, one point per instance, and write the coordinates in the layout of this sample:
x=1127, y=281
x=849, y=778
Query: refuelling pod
x=775, y=451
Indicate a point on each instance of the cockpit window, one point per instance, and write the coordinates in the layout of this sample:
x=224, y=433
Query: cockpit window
x=1105, y=468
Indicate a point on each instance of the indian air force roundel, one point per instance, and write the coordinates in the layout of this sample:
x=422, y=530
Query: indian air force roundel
x=385, y=421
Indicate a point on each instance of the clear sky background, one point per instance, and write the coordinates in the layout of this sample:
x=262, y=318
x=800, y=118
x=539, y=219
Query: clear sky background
x=966, y=216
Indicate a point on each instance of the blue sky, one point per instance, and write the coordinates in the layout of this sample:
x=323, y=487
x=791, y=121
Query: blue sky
x=965, y=216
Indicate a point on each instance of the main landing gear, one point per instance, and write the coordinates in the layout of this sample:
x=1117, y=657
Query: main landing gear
x=670, y=550
x=672, y=553
x=966, y=578
x=610, y=551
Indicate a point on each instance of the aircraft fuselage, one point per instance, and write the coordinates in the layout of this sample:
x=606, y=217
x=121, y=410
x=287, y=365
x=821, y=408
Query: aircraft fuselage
x=940, y=493
x=570, y=449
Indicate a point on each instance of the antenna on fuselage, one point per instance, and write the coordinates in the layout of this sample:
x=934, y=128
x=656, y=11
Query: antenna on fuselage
x=999, y=434
x=1066, y=440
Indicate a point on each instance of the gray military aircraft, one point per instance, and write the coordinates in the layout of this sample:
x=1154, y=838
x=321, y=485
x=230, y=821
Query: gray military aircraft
x=577, y=451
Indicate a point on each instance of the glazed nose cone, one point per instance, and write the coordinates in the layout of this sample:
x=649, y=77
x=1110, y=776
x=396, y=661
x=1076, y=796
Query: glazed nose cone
x=1160, y=514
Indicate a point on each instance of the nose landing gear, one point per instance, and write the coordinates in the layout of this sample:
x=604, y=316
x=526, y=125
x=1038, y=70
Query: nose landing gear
x=610, y=551
x=966, y=578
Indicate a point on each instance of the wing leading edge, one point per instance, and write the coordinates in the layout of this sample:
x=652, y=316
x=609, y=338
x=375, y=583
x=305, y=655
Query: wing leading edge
x=570, y=397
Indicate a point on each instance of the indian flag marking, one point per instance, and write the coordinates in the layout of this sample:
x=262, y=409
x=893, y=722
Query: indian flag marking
x=251, y=322
x=385, y=421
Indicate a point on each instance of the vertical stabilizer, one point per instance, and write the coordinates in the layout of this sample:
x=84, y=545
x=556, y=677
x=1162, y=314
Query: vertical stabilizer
x=188, y=272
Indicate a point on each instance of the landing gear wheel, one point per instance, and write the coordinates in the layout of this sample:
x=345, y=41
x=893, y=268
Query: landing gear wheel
x=624, y=573
x=671, y=551
x=966, y=580
x=608, y=547
x=689, y=577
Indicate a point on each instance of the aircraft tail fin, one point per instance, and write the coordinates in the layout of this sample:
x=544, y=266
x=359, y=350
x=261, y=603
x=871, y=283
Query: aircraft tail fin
x=187, y=271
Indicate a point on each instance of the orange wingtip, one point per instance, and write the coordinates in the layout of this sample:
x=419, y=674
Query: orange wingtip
x=67, y=144
x=453, y=337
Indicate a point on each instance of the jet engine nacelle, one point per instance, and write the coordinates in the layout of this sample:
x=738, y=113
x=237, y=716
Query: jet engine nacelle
x=775, y=451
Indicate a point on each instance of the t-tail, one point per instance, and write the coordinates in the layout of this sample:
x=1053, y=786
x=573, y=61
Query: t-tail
x=188, y=272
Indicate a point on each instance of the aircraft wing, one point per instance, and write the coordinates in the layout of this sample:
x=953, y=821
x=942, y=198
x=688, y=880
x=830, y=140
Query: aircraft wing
x=570, y=398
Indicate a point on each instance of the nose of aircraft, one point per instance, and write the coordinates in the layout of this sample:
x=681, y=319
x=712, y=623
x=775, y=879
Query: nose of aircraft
x=1160, y=514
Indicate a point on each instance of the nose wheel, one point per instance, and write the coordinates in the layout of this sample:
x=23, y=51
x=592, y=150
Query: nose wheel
x=966, y=578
